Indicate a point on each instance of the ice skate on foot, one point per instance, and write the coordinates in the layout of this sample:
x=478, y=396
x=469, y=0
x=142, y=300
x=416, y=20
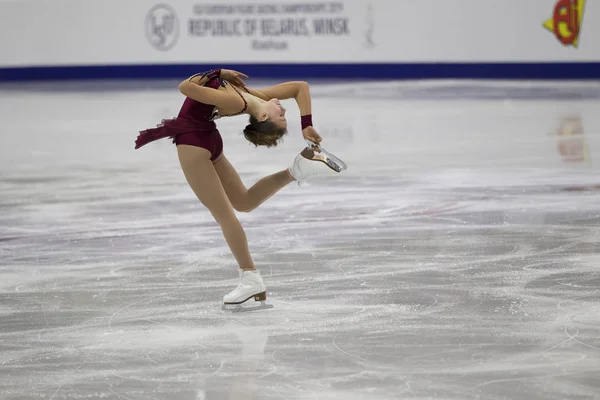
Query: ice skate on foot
x=251, y=287
x=315, y=161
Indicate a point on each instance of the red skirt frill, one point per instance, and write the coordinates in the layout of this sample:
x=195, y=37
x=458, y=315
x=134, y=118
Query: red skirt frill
x=173, y=127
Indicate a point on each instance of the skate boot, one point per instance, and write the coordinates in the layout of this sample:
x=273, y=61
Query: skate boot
x=251, y=286
x=315, y=161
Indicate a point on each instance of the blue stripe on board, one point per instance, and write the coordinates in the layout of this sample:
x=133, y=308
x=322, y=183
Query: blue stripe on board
x=571, y=71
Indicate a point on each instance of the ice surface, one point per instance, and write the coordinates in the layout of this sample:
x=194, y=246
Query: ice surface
x=457, y=258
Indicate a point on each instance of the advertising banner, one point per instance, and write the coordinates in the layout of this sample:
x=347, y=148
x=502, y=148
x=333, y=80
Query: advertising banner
x=349, y=32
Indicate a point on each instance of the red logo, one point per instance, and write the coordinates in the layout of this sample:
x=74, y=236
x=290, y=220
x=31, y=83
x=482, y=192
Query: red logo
x=566, y=21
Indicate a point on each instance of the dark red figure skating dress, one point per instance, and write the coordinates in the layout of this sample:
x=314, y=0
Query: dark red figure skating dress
x=193, y=126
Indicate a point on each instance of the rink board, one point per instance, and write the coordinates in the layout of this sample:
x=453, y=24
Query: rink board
x=548, y=39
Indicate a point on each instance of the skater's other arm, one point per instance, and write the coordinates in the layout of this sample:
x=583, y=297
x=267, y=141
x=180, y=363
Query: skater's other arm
x=194, y=89
x=297, y=90
x=203, y=77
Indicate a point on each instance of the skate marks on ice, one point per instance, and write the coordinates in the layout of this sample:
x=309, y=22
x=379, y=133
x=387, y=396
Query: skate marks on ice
x=458, y=308
x=460, y=262
x=467, y=307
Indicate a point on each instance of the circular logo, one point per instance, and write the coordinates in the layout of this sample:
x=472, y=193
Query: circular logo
x=162, y=27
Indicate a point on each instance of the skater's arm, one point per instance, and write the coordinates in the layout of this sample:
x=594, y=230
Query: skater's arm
x=297, y=90
x=226, y=102
x=282, y=91
x=203, y=77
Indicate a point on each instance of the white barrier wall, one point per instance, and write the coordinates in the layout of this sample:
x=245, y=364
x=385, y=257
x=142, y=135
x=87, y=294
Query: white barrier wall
x=141, y=32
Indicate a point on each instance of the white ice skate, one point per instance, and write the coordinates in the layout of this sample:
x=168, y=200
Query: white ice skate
x=251, y=286
x=315, y=161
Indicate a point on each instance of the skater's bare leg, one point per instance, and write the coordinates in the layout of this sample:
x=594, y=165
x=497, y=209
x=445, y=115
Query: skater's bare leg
x=245, y=200
x=204, y=181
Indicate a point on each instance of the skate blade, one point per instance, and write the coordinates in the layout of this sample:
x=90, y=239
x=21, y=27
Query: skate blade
x=340, y=164
x=313, y=155
x=245, y=307
x=331, y=160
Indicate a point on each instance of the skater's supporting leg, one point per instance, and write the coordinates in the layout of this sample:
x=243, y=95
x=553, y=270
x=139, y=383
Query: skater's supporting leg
x=243, y=199
x=204, y=181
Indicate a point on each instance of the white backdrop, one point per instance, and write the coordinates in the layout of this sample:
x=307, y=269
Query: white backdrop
x=138, y=32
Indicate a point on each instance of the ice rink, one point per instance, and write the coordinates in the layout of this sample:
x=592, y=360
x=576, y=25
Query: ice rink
x=458, y=257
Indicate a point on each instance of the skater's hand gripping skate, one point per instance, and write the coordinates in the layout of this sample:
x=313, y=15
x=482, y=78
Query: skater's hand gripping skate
x=234, y=77
x=310, y=135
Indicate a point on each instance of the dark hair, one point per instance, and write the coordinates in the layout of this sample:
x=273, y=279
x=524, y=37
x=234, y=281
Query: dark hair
x=265, y=133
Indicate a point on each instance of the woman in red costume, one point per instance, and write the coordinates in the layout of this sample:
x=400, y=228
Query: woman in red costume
x=222, y=93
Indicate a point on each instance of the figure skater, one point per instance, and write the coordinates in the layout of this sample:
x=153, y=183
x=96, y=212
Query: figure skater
x=222, y=93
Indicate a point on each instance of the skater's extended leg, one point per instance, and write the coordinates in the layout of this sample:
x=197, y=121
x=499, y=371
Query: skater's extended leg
x=204, y=181
x=243, y=199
